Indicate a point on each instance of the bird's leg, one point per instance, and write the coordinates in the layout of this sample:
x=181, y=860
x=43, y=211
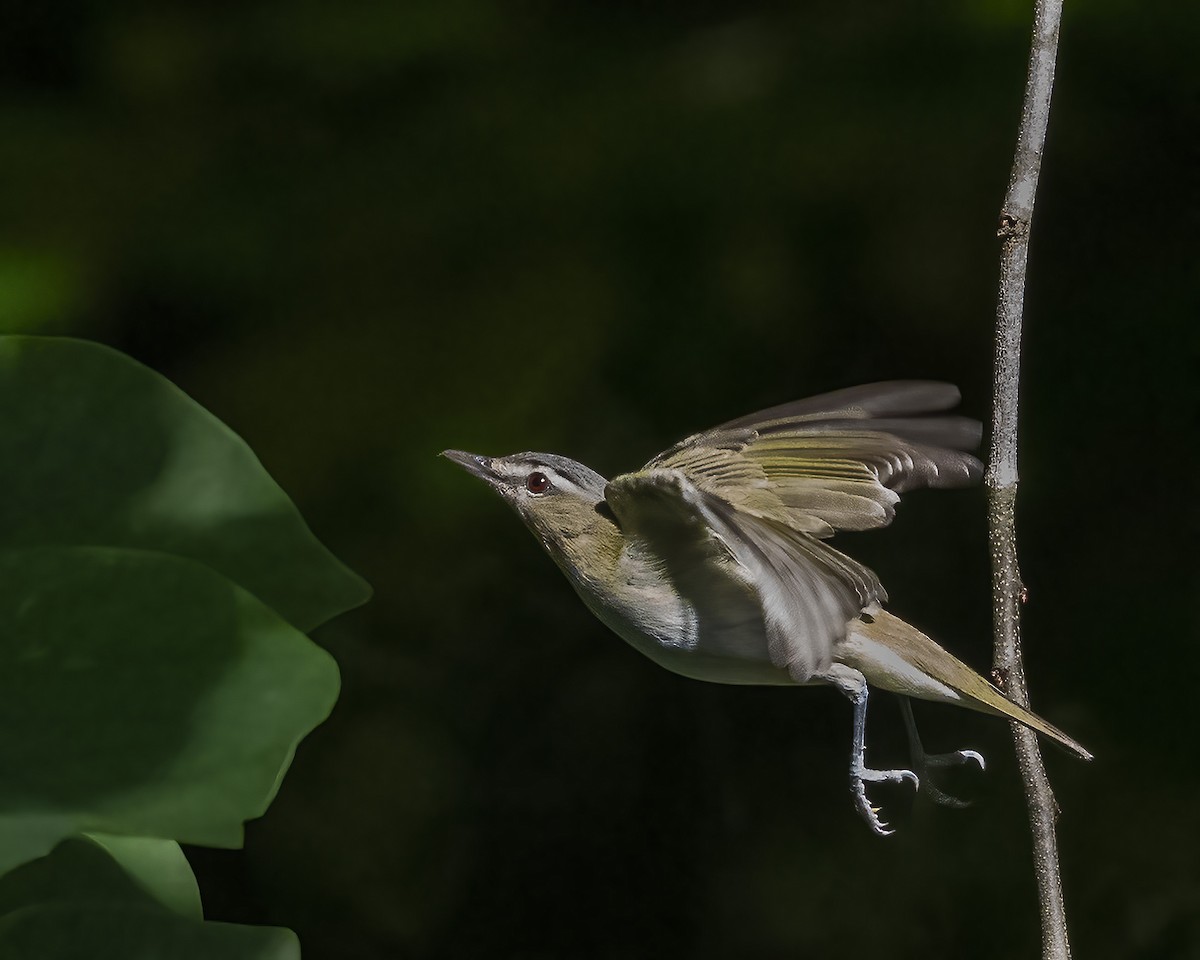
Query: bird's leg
x=923, y=761
x=854, y=685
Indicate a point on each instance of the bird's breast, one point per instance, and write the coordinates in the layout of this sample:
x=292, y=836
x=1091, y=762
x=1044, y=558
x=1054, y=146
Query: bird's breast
x=636, y=599
x=645, y=608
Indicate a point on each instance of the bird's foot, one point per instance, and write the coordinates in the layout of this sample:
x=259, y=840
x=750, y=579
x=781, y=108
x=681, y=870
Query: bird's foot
x=860, y=776
x=925, y=761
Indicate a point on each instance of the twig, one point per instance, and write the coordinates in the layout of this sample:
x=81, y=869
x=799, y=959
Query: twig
x=1007, y=589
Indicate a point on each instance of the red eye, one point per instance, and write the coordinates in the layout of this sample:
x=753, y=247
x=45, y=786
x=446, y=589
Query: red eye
x=537, y=482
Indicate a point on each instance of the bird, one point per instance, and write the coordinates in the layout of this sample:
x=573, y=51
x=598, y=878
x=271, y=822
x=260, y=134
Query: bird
x=713, y=559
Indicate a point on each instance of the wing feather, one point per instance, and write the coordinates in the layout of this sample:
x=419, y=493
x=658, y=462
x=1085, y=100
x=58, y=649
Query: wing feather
x=764, y=489
x=888, y=398
x=834, y=462
x=807, y=591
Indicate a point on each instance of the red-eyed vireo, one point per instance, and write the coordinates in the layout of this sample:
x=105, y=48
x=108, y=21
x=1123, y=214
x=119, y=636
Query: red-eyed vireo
x=712, y=559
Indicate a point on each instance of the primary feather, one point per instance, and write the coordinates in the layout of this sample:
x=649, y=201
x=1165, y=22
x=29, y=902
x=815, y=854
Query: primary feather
x=834, y=462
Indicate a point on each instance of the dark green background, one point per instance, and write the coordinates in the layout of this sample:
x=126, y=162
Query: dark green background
x=363, y=232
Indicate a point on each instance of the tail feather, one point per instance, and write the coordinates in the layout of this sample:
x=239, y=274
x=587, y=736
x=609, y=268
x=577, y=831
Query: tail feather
x=918, y=651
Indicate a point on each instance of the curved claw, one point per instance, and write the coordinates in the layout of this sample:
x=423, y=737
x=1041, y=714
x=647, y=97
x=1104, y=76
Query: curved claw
x=887, y=776
x=954, y=758
x=858, y=786
x=972, y=755
x=867, y=811
x=925, y=762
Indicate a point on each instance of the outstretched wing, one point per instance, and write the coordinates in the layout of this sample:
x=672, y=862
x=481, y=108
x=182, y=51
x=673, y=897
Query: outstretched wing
x=834, y=462
x=761, y=490
x=760, y=589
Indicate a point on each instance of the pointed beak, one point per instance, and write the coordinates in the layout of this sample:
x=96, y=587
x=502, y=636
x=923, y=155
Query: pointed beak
x=472, y=463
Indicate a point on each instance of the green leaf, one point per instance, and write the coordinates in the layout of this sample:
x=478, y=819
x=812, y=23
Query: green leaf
x=98, y=450
x=133, y=871
x=76, y=931
x=159, y=868
x=143, y=694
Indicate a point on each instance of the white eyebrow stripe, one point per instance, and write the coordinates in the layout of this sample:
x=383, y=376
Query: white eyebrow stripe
x=560, y=481
x=519, y=473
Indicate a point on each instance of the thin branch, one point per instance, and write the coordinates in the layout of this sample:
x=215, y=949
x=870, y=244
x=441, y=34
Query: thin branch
x=1007, y=589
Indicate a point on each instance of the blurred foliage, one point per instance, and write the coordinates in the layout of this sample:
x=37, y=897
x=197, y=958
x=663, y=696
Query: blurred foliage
x=103, y=869
x=144, y=690
x=362, y=233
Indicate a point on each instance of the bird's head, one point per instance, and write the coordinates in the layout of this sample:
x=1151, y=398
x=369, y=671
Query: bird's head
x=560, y=500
